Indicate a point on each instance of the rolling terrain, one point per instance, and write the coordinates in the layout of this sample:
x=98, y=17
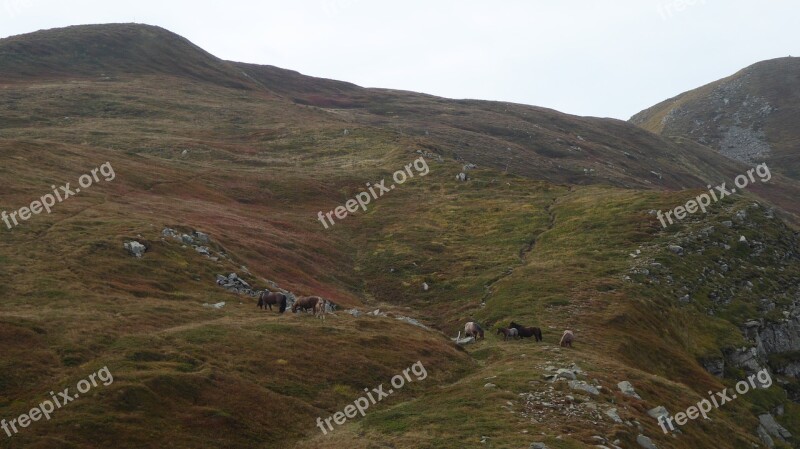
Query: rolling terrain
x=554, y=228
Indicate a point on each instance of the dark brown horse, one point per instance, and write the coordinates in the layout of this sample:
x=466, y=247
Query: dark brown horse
x=268, y=299
x=306, y=303
x=527, y=332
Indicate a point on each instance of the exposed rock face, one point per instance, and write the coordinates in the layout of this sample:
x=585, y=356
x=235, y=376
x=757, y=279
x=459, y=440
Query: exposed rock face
x=769, y=338
x=715, y=366
x=774, y=338
x=745, y=358
x=730, y=118
x=764, y=436
x=744, y=144
x=772, y=428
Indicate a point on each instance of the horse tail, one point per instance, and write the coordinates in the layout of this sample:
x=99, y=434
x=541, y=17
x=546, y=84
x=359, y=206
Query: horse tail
x=284, y=299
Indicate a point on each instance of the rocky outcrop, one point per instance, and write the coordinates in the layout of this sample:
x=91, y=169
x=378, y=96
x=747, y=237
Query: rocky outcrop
x=747, y=359
x=768, y=425
x=199, y=241
x=234, y=284
x=783, y=336
x=714, y=365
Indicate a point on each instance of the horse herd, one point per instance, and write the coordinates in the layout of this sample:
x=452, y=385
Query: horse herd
x=315, y=304
x=515, y=331
x=319, y=306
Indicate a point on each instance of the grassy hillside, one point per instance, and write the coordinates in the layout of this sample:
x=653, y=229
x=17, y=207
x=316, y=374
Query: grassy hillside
x=534, y=236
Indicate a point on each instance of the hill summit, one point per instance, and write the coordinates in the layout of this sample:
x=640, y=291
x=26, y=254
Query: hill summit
x=751, y=116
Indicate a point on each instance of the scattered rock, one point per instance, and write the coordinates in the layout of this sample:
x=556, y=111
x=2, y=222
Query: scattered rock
x=583, y=386
x=659, y=412
x=490, y=385
x=676, y=249
x=612, y=413
x=462, y=177
x=463, y=341
x=627, y=389
x=216, y=306
x=566, y=374
x=355, y=312
x=412, y=321
x=645, y=442
x=135, y=249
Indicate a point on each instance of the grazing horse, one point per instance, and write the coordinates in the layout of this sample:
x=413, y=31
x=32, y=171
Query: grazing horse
x=513, y=333
x=473, y=329
x=305, y=303
x=527, y=332
x=566, y=339
x=324, y=305
x=267, y=299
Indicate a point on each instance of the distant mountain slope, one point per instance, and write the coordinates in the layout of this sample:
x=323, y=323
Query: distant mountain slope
x=105, y=51
x=530, y=141
x=752, y=116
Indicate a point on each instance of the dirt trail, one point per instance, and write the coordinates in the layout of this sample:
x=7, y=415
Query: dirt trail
x=525, y=250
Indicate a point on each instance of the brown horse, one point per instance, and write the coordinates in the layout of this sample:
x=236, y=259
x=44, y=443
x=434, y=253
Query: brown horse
x=527, y=332
x=267, y=299
x=473, y=330
x=566, y=339
x=513, y=333
x=306, y=303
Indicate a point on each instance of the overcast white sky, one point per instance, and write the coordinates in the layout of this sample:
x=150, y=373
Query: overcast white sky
x=608, y=58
